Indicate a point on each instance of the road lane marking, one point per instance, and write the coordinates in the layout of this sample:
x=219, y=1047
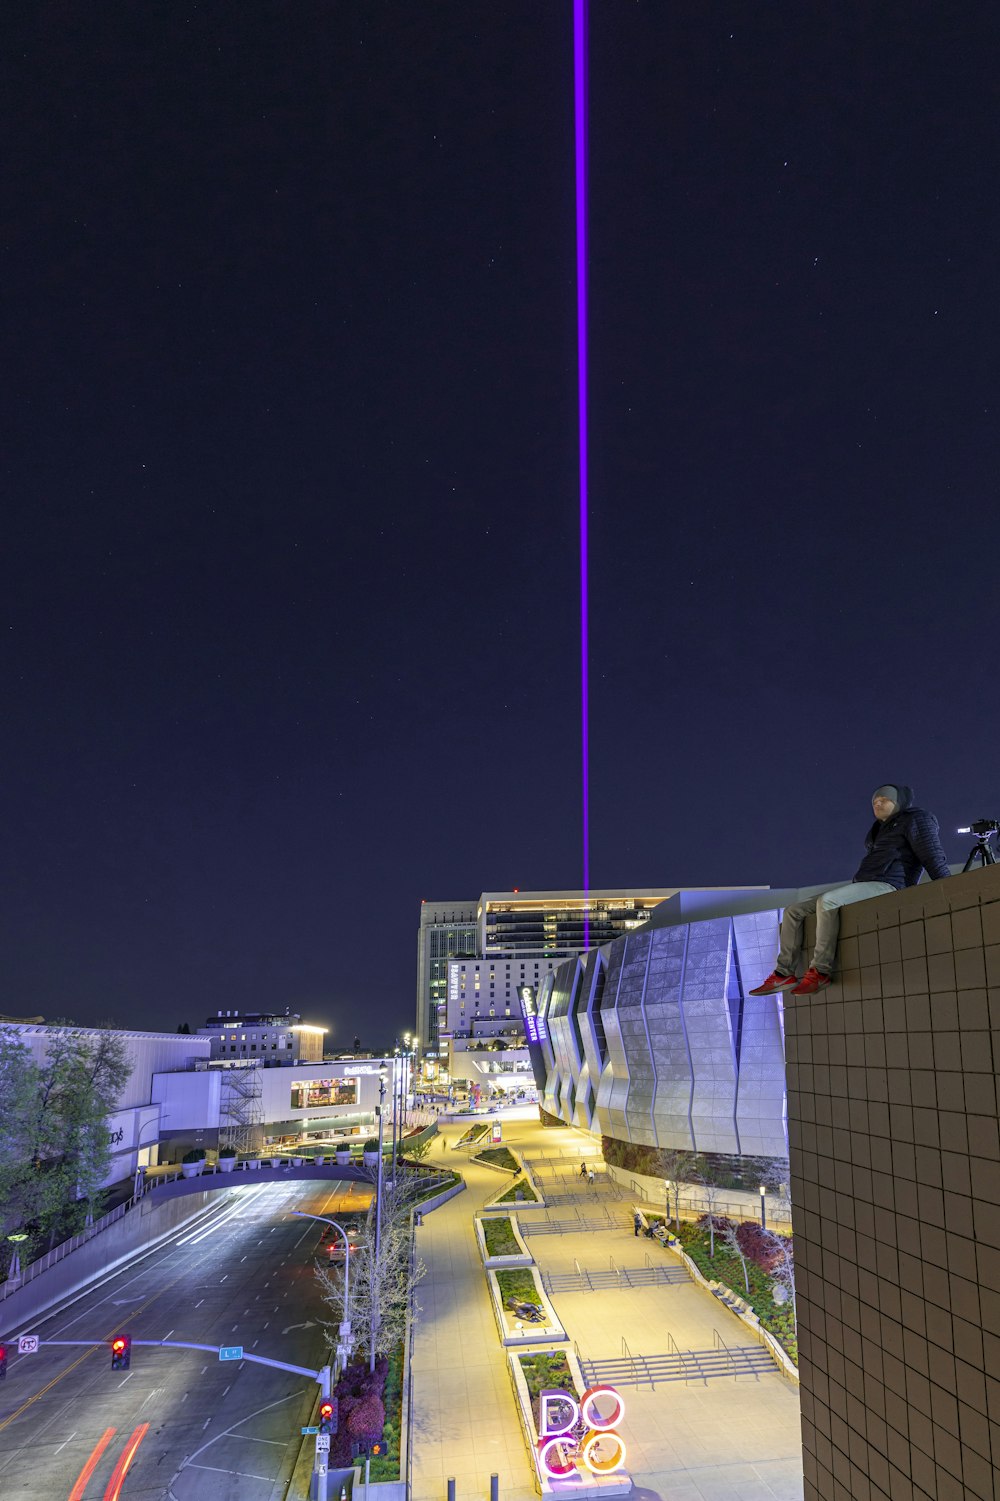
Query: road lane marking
x=199, y=1302
x=222, y=1279
x=228, y=1388
x=280, y=1443
x=127, y=1378
x=242, y=1474
x=76, y=1494
x=190, y=1463
x=88, y=1353
x=168, y=1334
x=205, y=1424
x=121, y=1469
x=65, y=1442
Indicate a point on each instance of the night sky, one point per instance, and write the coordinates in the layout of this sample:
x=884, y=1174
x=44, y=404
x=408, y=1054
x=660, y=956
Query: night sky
x=289, y=560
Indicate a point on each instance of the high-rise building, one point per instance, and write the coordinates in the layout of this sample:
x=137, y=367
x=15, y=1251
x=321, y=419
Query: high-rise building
x=534, y=926
x=447, y=931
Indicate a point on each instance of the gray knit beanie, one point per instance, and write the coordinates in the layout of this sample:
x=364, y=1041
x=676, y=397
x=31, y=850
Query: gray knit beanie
x=889, y=791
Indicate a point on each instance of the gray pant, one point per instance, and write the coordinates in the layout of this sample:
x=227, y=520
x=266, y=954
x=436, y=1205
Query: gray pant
x=827, y=909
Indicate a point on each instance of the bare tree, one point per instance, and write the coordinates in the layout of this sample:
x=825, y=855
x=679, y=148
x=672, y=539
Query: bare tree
x=675, y=1165
x=711, y=1193
x=783, y=1267
x=382, y=1275
x=729, y=1238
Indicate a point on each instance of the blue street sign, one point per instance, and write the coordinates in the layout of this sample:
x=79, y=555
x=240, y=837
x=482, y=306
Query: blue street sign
x=311, y=1429
x=231, y=1352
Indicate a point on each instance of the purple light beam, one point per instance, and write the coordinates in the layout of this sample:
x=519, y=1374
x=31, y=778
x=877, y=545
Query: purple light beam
x=580, y=18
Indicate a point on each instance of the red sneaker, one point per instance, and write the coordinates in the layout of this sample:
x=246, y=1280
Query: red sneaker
x=775, y=981
x=812, y=980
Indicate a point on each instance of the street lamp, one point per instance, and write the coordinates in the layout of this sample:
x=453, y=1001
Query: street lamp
x=377, y=1269
x=14, y=1270
x=344, y=1348
x=763, y=1210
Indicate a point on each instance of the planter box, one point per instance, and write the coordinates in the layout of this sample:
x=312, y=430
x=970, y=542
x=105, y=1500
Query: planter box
x=343, y=1156
x=192, y=1169
x=226, y=1164
x=253, y=1164
x=521, y=1257
x=618, y=1483
x=370, y=1159
x=497, y=1201
x=275, y=1161
x=319, y=1159
x=543, y=1333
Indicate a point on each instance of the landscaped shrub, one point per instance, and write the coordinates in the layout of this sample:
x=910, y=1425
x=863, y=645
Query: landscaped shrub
x=758, y=1245
x=499, y=1157
x=519, y=1189
x=543, y=1372
x=367, y=1420
x=499, y=1237
x=518, y=1287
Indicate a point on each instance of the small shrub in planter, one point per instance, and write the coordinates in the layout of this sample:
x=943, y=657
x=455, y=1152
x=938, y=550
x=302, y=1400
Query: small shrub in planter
x=227, y=1152
x=371, y=1145
x=195, y=1155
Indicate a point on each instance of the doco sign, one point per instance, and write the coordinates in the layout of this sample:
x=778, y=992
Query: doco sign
x=561, y=1449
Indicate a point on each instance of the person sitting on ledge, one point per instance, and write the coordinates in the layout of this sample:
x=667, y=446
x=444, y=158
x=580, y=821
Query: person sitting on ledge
x=903, y=841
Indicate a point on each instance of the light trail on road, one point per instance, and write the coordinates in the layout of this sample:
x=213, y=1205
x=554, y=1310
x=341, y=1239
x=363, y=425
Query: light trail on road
x=76, y=1494
x=121, y=1469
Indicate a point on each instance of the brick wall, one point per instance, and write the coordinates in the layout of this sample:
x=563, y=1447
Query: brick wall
x=895, y=1177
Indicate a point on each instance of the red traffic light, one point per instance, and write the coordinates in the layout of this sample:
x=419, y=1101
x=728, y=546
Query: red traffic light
x=121, y=1352
x=328, y=1416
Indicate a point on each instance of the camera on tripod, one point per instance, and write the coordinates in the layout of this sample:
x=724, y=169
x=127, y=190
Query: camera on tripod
x=982, y=850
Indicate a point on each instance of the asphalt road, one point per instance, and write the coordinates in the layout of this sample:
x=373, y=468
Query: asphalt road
x=181, y=1425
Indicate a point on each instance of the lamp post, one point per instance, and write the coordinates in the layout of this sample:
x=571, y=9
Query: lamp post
x=376, y=1271
x=14, y=1270
x=666, y=1194
x=763, y=1209
x=344, y=1348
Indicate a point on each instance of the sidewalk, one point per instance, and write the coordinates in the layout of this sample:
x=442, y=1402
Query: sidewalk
x=464, y=1419
x=723, y=1440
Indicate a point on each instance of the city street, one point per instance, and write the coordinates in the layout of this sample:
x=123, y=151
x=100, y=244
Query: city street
x=180, y=1424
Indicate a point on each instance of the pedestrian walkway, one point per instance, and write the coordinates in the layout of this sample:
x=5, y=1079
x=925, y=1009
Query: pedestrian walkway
x=729, y=1432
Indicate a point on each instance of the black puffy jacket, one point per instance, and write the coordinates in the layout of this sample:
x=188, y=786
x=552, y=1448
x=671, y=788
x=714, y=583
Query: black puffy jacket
x=899, y=849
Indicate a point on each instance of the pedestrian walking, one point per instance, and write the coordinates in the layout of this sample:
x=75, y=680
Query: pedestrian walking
x=590, y=1176
x=583, y=1169
x=636, y=1223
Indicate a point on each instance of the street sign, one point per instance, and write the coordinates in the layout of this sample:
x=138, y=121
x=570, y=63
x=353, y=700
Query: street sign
x=231, y=1352
x=322, y=1443
x=28, y=1344
x=313, y=1428
x=321, y=1467
x=497, y=1131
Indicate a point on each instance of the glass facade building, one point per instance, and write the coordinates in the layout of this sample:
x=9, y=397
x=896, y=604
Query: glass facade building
x=655, y=1039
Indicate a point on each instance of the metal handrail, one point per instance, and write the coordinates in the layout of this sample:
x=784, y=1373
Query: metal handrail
x=720, y=1344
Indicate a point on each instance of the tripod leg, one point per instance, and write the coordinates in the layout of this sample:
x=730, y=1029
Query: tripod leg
x=971, y=861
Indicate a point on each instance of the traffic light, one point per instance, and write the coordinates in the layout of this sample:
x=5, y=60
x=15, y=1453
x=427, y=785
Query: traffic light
x=3, y=1362
x=121, y=1352
x=328, y=1415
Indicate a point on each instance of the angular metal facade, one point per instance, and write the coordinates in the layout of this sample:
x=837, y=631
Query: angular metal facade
x=654, y=1039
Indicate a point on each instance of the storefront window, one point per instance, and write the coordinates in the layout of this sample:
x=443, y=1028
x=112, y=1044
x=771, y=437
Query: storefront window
x=307, y=1094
